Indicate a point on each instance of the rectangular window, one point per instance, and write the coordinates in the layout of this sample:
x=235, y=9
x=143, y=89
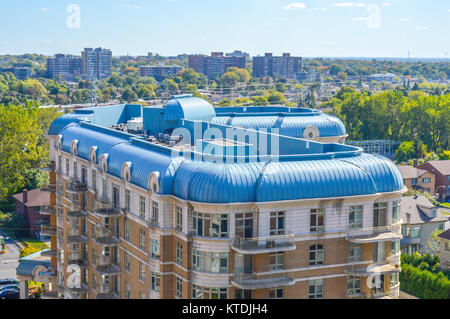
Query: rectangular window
x=210, y=225
x=127, y=262
x=105, y=188
x=316, y=255
x=84, y=174
x=142, y=239
x=179, y=219
x=155, y=212
x=414, y=181
x=179, y=254
x=276, y=261
x=277, y=223
x=317, y=220
x=394, y=279
x=316, y=289
x=395, y=211
x=94, y=180
x=179, y=288
x=355, y=217
x=395, y=247
x=354, y=252
x=379, y=214
x=141, y=271
x=199, y=292
x=127, y=231
x=276, y=293
x=426, y=180
x=156, y=278
x=127, y=200
x=209, y=262
x=353, y=286
x=67, y=167
x=75, y=169
x=127, y=291
x=155, y=253
x=116, y=196
x=142, y=207
x=94, y=257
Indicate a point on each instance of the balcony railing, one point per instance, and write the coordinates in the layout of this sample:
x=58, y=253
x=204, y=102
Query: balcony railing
x=79, y=258
x=105, y=292
x=76, y=186
x=51, y=188
x=75, y=235
x=81, y=289
x=257, y=245
x=76, y=211
x=108, y=269
x=374, y=234
x=49, y=168
x=47, y=230
x=373, y=269
x=105, y=212
x=106, y=237
x=255, y=281
x=47, y=210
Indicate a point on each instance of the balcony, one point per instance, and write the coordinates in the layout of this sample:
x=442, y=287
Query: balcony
x=374, y=234
x=76, y=211
x=255, y=281
x=76, y=187
x=107, y=212
x=394, y=259
x=49, y=168
x=81, y=289
x=47, y=210
x=106, y=237
x=49, y=295
x=373, y=269
x=259, y=245
x=79, y=258
x=47, y=230
x=102, y=200
x=76, y=236
x=108, y=269
x=51, y=188
x=105, y=292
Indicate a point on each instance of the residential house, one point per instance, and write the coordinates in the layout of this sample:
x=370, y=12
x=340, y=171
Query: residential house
x=441, y=171
x=444, y=243
x=417, y=179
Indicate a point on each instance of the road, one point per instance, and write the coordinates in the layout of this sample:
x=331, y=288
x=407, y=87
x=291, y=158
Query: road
x=9, y=261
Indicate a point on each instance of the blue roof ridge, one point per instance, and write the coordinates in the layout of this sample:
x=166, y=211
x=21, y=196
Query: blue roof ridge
x=362, y=169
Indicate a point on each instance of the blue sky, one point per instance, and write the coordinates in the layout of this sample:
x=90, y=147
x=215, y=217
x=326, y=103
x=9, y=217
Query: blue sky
x=375, y=28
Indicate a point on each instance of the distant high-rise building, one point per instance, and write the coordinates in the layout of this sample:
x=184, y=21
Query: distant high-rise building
x=67, y=67
x=284, y=66
x=216, y=64
x=160, y=72
x=96, y=64
x=238, y=54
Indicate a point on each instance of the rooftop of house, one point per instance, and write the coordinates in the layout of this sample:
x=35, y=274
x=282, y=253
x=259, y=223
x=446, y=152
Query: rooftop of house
x=411, y=171
x=446, y=234
x=419, y=210
x=34, y=197
x=442, y=166
x=248, y=165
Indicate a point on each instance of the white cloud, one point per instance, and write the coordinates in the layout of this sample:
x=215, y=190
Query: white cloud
x=422, y=28
x=348, y=4
x=131, y=6
x=295, y=5
x=386, y=4
x=44, y=9
x=405, y=20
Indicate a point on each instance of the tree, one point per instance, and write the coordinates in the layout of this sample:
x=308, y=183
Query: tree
x=230, y=79
x=433, y=247
x=276, y=98
x=129, y=95
x=405, y=151
x=342, y=76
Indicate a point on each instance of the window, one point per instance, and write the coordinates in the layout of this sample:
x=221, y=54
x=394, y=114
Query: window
x=276, y=261
x=127, y=200
x=155, y=253
x=67, y=166
x=127, y=291
x=95, y=283
x=316, y=255
x=141, y=271
x=59, y=163
x=353, y=286
x=94, y=257
x=414, y=181
x=276, y=293
x=413, y=232
x=441, y=226
x=315, y=289
x=116, y=196
x=94, y=180
x=127, y=262
x=395, y=247
x=317, y=220
x=127, y=231
x=155, y=212
x=105, y=189
x=354, y=252
x=179, y=288
x=447, y=246
x=426, y=180
x=209, y=262
x=379, y=214
x=156, y=278
x=210, y=225
x=179, y=219
x=75, y=169
x=277, y=223
x=84, y=174
x=355, y=218
x=141, y=295
x=142, y=239
x=179, y=254
x=396, y=211
x=199, y=292
x=142, y=207
x=394, y=279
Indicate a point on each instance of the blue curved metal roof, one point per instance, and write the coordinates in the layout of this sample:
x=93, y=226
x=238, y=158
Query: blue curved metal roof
x=292, y=125
x=189, y=108
x=63, y=121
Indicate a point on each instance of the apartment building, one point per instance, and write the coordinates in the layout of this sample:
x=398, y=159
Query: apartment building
x=215, y=65
x=283, y=66
x=169, y=212
x=96, y=64
x=159, y=72
x=21, y=73
x=67, y=67
x=417, y=179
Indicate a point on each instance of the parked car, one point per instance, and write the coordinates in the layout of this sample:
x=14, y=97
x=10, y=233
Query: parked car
x=11, y=286
x=10, y=294
x=8, y=281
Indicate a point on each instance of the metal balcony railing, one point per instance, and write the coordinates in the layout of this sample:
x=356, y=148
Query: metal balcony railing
x=47, y=230
x=75, y=235
x=105, y=212
x=373, y=234
x=76, y=186
x=106, y=237
x=259, y=281
x=51, y=188
x=47, y=210
x=76, y=211
x=257, y=245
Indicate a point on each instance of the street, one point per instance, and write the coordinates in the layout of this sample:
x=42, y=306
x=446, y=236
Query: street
x=9, y=261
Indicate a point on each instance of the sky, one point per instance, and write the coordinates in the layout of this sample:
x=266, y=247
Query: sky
x=309, y=28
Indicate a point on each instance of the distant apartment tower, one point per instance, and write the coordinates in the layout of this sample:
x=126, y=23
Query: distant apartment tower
x=160, y=72
x=67, y=67
x=238, y=54
x=21, y=73
x=216, y=64
x=284, y=66
x=96, y=64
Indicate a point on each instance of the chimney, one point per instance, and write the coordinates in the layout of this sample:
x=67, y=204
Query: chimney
x=25, y=195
